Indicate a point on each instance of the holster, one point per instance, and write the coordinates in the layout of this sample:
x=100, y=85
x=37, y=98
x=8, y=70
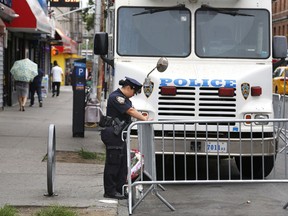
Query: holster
x=119, y=126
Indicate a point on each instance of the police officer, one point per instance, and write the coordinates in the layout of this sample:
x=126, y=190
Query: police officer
x=119, y=106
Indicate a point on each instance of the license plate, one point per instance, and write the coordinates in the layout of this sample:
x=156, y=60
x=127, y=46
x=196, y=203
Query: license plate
x=216, y=147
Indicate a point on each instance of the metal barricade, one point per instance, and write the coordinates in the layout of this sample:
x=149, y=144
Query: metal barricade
x=51, y=160
x=191, y=152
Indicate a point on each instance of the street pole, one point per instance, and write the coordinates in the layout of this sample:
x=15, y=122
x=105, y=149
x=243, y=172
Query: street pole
x=86, y=55
x=97, y=23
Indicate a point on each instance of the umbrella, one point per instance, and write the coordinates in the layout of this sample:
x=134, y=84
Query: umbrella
x=24, y=70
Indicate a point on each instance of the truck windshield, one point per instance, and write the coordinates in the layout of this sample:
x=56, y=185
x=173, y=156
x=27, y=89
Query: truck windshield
x=147, y=32
x=232, y=33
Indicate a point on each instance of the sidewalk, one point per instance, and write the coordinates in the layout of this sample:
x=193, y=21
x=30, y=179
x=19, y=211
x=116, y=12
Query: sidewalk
x=23, y=145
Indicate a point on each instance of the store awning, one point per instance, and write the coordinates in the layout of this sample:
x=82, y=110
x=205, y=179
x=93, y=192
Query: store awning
x=68, y=45
x=32, y=18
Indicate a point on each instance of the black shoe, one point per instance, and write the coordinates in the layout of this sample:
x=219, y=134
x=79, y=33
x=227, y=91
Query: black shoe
x=53, y=95
x=115, y=196
x=40, y=104
x=30, y=105
x=125, y=194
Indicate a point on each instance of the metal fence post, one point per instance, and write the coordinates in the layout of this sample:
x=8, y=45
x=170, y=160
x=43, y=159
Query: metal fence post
x=51, y=160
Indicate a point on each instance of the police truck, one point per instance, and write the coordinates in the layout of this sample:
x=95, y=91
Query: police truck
x=220, y=67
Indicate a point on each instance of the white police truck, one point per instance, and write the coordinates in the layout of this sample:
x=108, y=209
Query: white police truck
x=220, y=67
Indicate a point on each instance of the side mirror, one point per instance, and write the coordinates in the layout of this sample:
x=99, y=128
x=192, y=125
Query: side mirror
x=101, y=43
x=101, y=47
x=162, y=64
x=279, y=50
x=148, y=85
x=279, y=46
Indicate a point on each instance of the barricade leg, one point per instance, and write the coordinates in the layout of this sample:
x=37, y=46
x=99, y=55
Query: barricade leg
x=146, y=146
x=162, y=199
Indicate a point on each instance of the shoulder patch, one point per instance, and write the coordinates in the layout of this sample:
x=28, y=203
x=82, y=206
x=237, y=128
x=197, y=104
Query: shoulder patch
x=120, y=100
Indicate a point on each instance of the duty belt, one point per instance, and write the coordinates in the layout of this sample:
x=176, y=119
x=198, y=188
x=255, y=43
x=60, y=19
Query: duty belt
x=118, y=126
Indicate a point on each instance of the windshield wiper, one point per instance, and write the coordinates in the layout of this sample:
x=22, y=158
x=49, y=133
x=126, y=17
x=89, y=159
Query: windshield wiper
x=223, y=11
x=156, y=10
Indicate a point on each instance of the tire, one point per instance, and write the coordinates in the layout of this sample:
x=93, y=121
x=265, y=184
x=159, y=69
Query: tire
x=257, y=166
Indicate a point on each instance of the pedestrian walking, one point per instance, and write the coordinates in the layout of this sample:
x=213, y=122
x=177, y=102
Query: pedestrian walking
x=22, y=89
x=23, y=72
x=120, y=110
x=57, y=74
x=36, y=86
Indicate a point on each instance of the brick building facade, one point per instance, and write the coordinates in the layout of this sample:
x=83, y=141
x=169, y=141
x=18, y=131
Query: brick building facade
x=280, y=17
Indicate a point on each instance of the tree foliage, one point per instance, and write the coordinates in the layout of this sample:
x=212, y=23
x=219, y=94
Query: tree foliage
x=88, y=16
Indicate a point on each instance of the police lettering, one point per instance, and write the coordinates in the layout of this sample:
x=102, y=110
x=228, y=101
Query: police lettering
x=198, y=82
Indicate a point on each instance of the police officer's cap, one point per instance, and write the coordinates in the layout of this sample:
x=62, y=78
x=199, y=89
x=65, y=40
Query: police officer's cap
x=134, y=84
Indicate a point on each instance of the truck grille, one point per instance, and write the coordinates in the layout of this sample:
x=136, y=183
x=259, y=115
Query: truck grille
x=196, y=103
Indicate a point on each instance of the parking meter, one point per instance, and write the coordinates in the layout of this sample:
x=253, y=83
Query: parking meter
x=79, y=82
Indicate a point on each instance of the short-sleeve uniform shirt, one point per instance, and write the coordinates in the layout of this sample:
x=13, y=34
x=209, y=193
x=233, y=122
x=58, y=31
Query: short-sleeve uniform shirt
x=117, y=106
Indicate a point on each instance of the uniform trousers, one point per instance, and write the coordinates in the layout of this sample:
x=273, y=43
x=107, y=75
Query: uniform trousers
x=115, y=171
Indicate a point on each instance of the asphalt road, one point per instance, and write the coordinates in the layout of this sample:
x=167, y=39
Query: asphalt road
x=218, y=199
x=223, y=199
